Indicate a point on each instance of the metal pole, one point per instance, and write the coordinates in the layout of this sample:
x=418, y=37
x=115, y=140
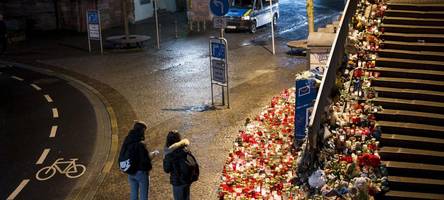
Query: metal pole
x=223, y=95
x=100, y=32
x=226, y=66
x=157, y=24
x=222, y=32
x=125, y=19
x=87, y=29
x=272, y=26
x=211, y=74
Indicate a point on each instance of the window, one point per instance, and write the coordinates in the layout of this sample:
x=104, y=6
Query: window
x=242, y=3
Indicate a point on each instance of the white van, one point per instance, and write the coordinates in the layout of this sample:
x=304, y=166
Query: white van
x=250, y=14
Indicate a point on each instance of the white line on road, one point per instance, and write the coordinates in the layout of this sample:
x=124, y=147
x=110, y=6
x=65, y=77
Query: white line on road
x=36, y=87
x=48, y=98
x=53, y=131
x=17, y=78
x=18, y=189
x=55, y=113
x=42, y=157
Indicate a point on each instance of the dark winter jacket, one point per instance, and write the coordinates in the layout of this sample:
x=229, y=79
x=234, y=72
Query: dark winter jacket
x=134, y=140
x=174, y=162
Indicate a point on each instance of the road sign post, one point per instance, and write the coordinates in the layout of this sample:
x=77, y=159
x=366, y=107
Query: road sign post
x=219, y=8
x=218, y=49
x=94, y=28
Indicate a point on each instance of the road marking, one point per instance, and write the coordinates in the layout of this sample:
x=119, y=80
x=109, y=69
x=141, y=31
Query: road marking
x=18, y=189
x=17, y=78
x=36, y=87
x=53, y=131
x=48, y=98
x=42, y=157
x=55, y=113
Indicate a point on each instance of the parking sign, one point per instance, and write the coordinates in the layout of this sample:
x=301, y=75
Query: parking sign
x=93, y=22
x=94, y=29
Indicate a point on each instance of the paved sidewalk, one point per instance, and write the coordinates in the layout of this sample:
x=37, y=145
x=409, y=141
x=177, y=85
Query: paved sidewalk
x=168, y=88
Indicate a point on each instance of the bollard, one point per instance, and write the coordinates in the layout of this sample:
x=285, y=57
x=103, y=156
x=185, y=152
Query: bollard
x=204, y=25
x=198, y=26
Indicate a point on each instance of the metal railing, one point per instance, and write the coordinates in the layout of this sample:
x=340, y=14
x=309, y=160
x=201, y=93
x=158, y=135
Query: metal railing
x=334, y=61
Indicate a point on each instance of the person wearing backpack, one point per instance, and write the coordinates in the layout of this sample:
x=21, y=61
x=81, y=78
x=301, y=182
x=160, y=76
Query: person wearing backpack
x=180, y=164
x=135, y=160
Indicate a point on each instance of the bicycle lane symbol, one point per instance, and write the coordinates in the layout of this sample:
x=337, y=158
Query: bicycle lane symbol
x=71, y=169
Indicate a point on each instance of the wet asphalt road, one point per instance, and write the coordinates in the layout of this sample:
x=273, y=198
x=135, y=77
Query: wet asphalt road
x=168, y=88
x=27, y=119
x=292, y=24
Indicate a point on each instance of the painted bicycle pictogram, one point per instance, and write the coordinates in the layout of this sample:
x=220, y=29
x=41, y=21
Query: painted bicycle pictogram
x=72, y=169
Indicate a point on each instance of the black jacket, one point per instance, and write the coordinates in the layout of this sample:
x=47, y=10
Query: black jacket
x=174, y=163
x=134, y=140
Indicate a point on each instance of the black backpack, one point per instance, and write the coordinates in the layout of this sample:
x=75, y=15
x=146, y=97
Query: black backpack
x=128, y=158
x=191, y=172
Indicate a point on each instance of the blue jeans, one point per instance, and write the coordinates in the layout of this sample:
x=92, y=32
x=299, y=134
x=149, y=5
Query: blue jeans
x=139, y=180
x=181, y=192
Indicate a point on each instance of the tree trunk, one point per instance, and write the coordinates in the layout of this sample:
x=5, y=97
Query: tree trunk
x=125, y=18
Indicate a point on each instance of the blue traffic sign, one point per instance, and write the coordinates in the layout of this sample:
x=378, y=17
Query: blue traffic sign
x=218, y=50
x=93, y=17
x=219, y=7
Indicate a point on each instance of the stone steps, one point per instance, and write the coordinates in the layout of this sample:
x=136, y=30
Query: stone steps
x=410, y=88
x=412, y=155
x=413, y=37
x=411, y=54
x=412, y=105
x=411, y=129
x=411, y=94
x=413, y=45
x=416, y=7
x=400, y=28
x=414, y=13
x=411, y=116
x=408, y=83
x=409, y=141
x=409, y=63
x=404, y=195
x=422, y=185
x=412, y=169
x=409, y=73
x=414, y=20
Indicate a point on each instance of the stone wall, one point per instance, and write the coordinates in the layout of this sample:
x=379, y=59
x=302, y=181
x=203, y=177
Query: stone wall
x=28, y=13
x=198, y=10
x=71, y=14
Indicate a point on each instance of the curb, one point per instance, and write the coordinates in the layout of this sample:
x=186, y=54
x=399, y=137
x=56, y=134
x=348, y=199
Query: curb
x=112, y=116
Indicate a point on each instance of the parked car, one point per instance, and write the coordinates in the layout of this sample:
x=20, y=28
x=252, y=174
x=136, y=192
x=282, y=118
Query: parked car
x=251, y=14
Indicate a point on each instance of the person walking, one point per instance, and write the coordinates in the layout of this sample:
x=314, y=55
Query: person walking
x=136, y=161
x=180, y=164
x=3, y=31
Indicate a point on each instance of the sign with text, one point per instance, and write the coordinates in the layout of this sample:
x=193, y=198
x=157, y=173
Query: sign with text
x=219, y=22
x=306, y=92
x=218, y=53
x=218, y=50
x=218, y=71
x=218, y=60
x=93, y=22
